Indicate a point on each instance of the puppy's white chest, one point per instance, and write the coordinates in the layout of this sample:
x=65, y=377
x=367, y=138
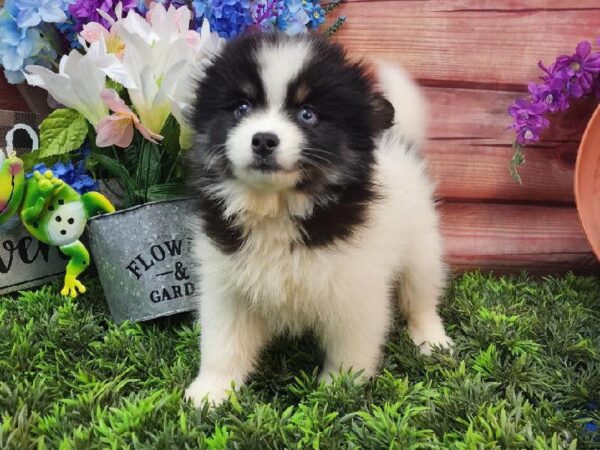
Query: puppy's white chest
x=289, y=284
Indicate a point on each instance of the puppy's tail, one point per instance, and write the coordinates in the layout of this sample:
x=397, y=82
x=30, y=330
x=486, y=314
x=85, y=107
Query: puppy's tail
x=410, y=118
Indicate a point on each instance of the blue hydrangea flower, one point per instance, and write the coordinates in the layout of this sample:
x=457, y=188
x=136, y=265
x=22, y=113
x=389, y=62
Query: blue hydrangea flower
x=228, y=18
x=199, y=7
x=68, y=30
x=74, y=175
x=20, y=46
x=32, y=12
x=293, y=18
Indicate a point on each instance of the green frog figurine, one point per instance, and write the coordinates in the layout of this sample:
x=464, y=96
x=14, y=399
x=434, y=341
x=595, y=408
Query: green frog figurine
x=54, y=213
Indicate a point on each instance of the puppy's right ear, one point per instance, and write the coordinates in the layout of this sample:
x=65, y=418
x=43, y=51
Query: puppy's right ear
x=382, y=112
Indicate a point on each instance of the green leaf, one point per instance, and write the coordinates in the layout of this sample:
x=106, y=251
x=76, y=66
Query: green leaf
x=111, y=84
x=165, y=191
x=62, y=131
x=517, y=160
x=335, y=27
x=120, y=172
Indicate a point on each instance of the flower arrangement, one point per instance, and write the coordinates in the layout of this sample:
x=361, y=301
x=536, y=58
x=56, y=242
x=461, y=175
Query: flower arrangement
x=38, y=32
x=569, y=77
x=121, y=79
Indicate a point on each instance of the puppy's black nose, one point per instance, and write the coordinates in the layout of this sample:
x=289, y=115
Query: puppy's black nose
x=263, y=144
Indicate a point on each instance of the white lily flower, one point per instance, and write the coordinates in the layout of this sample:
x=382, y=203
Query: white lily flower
x=154, y=58
x=159, y=56
x=80, y=80
x=204, y=45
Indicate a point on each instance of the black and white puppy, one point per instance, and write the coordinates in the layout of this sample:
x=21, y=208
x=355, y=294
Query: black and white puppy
x=314, y=208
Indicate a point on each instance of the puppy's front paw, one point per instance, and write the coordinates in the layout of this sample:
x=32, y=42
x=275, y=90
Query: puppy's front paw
x=426, y=339
x=203, y=389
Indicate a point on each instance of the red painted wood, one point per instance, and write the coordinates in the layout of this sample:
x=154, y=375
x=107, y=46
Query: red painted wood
x=515, y=237
x=469, y=42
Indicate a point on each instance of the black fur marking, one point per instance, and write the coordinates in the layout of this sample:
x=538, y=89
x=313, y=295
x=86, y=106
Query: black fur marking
x=337, y=162
x=338, y=220
x=340, y=144
x=233, y=77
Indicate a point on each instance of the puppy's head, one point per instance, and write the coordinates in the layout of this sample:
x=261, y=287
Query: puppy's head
x=277, y=113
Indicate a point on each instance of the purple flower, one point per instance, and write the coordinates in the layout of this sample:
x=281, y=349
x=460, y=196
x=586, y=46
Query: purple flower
x=84, y=11
x=265, y=13
x=550, y=94
x=529, y=120
x=526, y=112
x=569, y=77
x=527, y=134
x=582, y=66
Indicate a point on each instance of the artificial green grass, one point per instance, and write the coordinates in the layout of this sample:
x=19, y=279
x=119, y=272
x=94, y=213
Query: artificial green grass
x=525, y=374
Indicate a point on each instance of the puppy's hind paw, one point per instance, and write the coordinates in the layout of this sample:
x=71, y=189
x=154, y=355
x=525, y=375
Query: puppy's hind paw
x=211, y=390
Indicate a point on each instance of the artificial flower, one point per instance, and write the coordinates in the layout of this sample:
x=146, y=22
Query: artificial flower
x=20, y=46
x=85, y=11
x=265, y=13
x=315, y=13
x=204, y=46
x=526, y=112
x=95, y=31
x=527, y=134
x=293, y=18
x=117, y=129
x=529, y=120
x=74, y=175
x=68, y=32
x=582, y=66
x=32, y=12
x=567, y=78
x=229, y=18
x=549, y=94
x=80, y=80
x=155, y=59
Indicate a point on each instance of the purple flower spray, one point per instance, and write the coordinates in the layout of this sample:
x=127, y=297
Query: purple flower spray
x=569, y=77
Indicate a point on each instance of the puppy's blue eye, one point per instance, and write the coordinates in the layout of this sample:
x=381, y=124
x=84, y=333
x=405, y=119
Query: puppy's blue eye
x=243, y=108
x=307, y=115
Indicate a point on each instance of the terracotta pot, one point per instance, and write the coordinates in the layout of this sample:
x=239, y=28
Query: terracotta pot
x=587, y=182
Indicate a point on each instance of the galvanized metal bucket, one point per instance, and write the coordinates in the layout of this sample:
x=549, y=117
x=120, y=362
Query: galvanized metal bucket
x=143, y=258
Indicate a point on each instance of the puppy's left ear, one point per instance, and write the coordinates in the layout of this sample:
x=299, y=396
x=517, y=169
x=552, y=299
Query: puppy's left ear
x=382, y=112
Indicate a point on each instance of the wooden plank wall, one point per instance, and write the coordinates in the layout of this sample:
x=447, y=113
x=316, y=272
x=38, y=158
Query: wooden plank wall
x=474, y=58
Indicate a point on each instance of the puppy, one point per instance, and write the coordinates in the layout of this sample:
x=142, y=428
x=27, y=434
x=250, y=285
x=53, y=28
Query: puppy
x=314, y=208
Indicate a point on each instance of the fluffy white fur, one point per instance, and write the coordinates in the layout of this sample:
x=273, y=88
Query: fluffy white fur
x=342, y=291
